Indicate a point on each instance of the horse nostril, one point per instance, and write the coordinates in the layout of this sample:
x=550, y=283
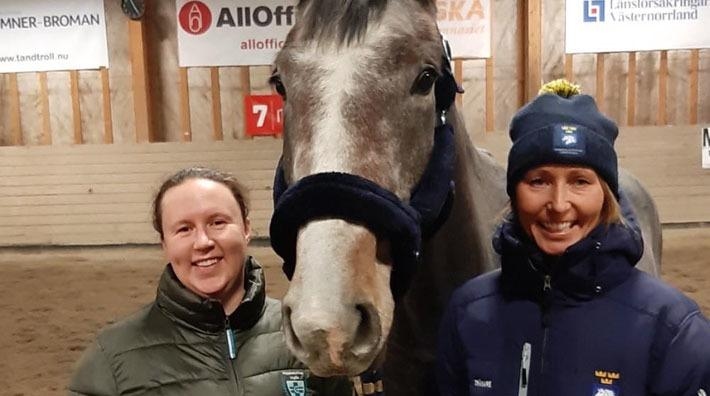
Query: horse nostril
x=288, y=328
x=367, y=333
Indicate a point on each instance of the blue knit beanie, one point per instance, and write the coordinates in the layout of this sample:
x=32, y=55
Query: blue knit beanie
x=560, y=126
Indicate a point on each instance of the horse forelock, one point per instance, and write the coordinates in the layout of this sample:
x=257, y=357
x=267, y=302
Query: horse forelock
x=342, y=22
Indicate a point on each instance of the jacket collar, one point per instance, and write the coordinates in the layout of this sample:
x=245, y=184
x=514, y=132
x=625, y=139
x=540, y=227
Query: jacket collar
x=597, y=263
x=207, y=314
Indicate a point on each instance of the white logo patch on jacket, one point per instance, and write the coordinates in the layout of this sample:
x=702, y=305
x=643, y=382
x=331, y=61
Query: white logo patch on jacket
x=294, y=383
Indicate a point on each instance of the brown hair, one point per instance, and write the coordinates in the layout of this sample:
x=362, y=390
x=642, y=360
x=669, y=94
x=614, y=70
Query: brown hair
x=238, y=191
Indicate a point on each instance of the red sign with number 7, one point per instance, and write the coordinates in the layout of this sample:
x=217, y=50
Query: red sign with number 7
x=263, y=115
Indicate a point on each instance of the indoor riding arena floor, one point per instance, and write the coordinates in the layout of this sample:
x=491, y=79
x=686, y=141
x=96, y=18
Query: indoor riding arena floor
x=55, y=300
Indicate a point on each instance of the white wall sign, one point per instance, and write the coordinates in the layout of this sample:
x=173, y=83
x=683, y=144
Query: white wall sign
x=230, y=32
x=706, y=148
x=44, y=35
x=636, y=25
x=467, y=26
x=250, y=32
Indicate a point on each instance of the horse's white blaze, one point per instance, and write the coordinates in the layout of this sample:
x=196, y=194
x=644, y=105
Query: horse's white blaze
x=338, y=325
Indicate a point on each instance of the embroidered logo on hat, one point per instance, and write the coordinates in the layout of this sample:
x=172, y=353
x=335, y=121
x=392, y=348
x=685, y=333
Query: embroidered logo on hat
x=568, y=141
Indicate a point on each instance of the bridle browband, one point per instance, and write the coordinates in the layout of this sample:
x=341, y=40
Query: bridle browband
x=358, y=200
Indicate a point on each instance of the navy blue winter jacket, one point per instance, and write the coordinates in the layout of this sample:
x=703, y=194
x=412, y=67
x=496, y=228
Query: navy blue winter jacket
x=583, y=323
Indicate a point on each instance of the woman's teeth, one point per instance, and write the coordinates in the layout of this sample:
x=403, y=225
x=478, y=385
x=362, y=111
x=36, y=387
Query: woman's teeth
x=207, y=262
x=557, y=227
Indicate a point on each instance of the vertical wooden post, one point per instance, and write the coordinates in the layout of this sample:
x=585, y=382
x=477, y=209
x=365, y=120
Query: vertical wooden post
x=662, y=88
x=520, y=22
x=76, y=106
x=15, y=114
x=245, y=82
x=185, y=119
x=533, y=64
x=106, y=96
x=46, y=137
x=569, y=67
x=490, y=83
x=693, y=87
x=600, y=82
x=217, y=132
x=631, y=91
x=141, y=85
x=458, y=75
x=490, y=95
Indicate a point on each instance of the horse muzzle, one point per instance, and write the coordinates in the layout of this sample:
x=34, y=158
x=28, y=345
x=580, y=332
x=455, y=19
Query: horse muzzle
x=336, y=318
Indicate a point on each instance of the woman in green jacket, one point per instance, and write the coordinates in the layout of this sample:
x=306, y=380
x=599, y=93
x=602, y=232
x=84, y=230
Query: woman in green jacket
x=211, y=329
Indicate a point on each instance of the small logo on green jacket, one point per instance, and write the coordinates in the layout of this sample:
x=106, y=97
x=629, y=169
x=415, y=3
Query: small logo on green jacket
x=294, y=383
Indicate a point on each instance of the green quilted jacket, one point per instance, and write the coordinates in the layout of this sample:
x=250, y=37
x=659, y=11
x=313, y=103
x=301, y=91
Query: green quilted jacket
x=183, y=344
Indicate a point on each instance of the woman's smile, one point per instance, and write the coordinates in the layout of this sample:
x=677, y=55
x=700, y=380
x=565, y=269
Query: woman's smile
x=559, y=205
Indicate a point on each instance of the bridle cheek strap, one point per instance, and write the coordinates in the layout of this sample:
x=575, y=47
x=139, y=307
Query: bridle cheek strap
x=360, y=201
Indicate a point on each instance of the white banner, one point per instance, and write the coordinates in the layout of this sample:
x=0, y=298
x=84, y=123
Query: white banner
x=636, y=25
x=250, y=32
x=705, y=148
x=467, y=26
x=44, y=35
x=231, y=32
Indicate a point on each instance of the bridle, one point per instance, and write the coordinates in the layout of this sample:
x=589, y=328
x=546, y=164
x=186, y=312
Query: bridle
x=361, y=201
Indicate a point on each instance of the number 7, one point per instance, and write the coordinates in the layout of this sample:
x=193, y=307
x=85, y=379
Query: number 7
x=261, y=110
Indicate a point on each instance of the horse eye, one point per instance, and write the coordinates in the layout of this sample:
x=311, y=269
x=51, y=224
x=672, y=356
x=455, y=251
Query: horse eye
x=278, y=85
x=425, y=80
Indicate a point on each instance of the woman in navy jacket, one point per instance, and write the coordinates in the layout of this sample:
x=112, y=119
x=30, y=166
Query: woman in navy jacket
x=568, y=313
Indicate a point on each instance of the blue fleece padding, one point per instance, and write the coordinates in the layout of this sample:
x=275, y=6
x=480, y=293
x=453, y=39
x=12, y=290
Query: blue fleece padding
x=433, y=195
x=360, y=201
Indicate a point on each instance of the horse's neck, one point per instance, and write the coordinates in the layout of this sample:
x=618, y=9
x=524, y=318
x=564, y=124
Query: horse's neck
x=462, y=248
x=458, y=251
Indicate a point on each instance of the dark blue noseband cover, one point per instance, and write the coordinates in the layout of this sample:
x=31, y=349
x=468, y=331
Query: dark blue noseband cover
x=360, y=201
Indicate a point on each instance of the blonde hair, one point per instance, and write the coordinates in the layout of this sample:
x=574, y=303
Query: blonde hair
x=611, y=210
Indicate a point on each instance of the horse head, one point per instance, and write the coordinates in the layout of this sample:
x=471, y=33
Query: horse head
x=366, y=163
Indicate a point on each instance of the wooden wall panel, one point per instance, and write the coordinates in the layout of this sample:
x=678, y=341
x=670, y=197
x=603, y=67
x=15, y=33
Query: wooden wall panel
x=101, y=194
x=91, y=105
x=526, y=53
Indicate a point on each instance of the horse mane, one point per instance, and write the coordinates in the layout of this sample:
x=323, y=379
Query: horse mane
x=344, y=21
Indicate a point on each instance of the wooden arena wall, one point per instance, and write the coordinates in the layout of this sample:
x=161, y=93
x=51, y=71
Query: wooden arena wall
x=144, y=96
x=83, y=151
x=100, y=194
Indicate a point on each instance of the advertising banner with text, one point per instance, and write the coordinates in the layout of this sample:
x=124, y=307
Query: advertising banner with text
x=467, y=26
x=250, y=32
x=636, y=25
x=45, y=35
x=232, y=33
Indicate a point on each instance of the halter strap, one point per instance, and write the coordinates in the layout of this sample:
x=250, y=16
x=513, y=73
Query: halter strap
x=361, y=201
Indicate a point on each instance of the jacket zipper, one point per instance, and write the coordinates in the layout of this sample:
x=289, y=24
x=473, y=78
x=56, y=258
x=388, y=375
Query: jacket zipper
x=524, y=370
x=546, y=300
x=232, y=354
x=231, y=347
